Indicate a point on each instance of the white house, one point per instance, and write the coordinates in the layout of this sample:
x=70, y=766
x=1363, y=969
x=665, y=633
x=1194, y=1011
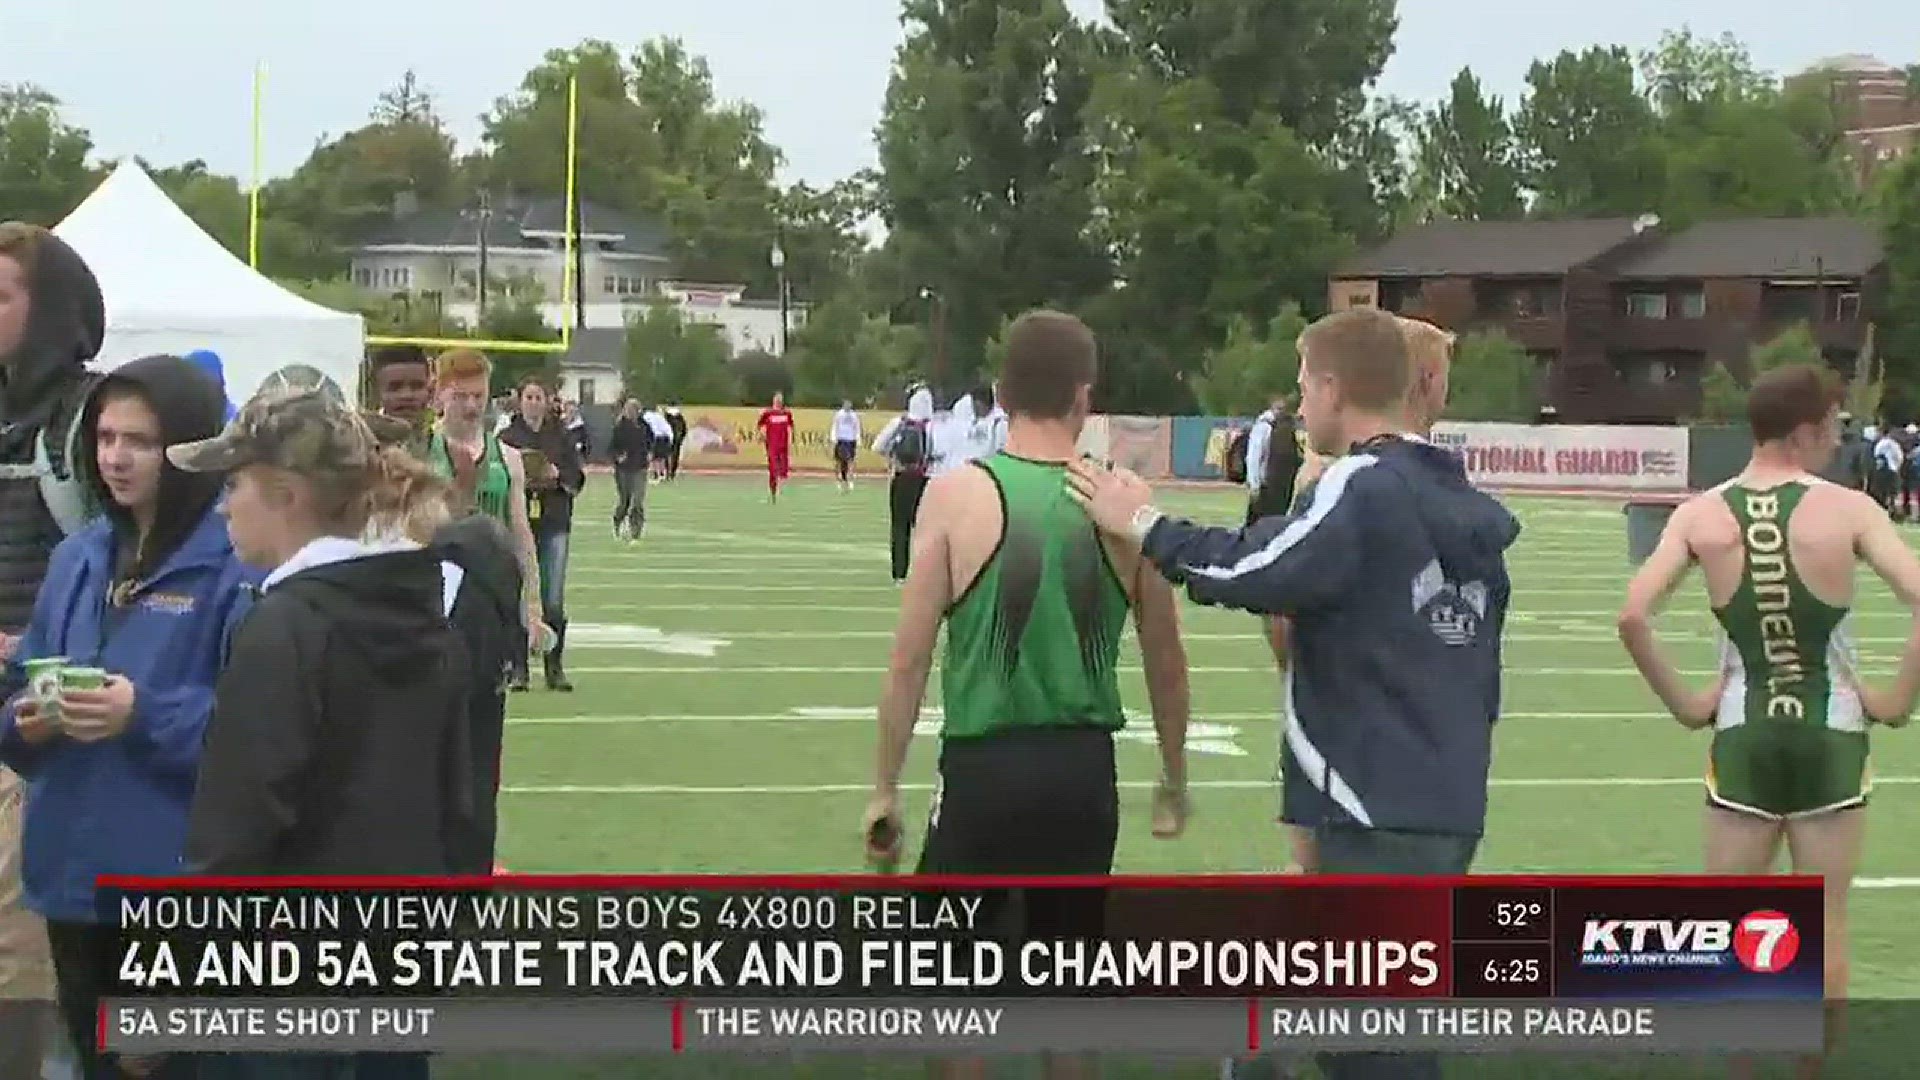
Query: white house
x=435, y=254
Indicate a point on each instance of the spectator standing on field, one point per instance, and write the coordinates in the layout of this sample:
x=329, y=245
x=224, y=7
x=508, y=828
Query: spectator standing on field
x=907, y=444
x=552, y=487
x=632, y=448
x=52, y=321
x=338, y=741
x=1273, y=457
x=677, y=424
x=147, y=593
x=1393, y=702
x=846, y=443
x=659, y=433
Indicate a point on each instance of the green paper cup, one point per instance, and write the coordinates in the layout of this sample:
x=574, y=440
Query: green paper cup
x=82, y=678
x=43, y=682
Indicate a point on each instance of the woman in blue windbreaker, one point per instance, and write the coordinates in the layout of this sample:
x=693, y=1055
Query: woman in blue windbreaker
x=148, y=592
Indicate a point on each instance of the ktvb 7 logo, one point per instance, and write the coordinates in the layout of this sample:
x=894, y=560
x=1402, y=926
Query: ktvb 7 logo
x=1764, y=942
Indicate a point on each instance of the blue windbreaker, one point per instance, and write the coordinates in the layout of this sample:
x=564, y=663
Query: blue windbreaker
x=119, y=806
x=1395, y=577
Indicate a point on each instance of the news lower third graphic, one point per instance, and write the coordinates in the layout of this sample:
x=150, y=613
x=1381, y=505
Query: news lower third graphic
x=1207, y=966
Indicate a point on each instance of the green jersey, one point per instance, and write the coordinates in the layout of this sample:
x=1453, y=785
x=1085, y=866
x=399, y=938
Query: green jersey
x=1034, y=641
x=491, y=487
x=1790, y=735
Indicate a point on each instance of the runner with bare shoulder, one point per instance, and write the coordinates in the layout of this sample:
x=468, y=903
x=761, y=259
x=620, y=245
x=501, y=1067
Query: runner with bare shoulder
x=1035, y=602
x=1778, y=548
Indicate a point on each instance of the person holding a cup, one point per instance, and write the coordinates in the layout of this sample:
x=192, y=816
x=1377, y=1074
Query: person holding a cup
x=118, y=665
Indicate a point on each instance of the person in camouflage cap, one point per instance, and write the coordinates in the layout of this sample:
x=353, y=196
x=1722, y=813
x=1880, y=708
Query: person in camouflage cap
x=300, y=429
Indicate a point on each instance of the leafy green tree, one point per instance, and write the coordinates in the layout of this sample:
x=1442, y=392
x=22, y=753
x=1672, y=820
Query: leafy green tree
x=1467, y=168
x=1722, y=398
x=1213, y=220
x=843, y=353
x=1794, y=345
x=1588, y=140
x=671, y=358
x=1492, y=379
x=1306, y=64
x=986, y=172
x=1899, y=214
x=518, y=318
x=1734, y=141
x=1252, y=366
x=43, y=159
x=759, y=375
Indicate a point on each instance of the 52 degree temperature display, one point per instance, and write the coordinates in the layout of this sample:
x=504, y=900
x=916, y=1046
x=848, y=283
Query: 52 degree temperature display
x=1497, y=913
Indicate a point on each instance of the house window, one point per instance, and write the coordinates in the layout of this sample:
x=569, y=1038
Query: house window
x=626, y=285
x=1693, y=305
x=1846, y=307
x=396, y=277
x=1646, y=305
x=586, y=392
x=363, y=277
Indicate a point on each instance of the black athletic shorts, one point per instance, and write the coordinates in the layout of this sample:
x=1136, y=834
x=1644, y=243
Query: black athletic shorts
x=1037, y=802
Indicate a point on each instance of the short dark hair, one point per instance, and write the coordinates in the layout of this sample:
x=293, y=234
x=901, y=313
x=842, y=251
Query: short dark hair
x=1780, y=401
x=387, y=356
x=1050, y=356
x=1364, y=350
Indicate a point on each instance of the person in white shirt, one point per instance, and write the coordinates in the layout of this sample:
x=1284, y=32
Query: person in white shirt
x=656, y=422
x=1887, y=460
x=956, y=437
x=994, y=427
x=846, y=442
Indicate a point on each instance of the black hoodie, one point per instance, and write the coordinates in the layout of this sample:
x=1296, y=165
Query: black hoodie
x=190, y=406
x=338, y=742
x=41, y=387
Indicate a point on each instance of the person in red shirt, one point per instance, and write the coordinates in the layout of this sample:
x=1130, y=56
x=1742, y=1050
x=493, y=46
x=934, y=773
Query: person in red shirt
x=776, y=427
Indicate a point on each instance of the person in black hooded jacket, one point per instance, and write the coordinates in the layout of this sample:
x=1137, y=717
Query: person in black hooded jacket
x=338, y=742
x=52, y=321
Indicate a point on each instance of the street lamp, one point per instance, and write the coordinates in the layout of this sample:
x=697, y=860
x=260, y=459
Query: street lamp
x=779, y=261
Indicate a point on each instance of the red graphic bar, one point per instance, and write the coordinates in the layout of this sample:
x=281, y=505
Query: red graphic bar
x=1253, y=1025
x=679, y=1027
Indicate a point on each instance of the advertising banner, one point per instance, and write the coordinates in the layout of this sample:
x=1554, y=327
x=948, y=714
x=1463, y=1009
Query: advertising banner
x=1141, y=443
x=1570, y=457
x=1199, y=445
x=724, y=437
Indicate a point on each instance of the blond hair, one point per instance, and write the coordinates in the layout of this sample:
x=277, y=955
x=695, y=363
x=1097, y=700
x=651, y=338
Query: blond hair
x=1365, y=352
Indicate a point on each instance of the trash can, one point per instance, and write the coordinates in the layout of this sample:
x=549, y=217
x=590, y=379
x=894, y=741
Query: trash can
x=1646, y=520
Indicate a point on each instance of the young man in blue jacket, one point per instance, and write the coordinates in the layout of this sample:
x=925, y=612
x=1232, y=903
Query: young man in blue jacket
x=1395, y=579
x=147, y=593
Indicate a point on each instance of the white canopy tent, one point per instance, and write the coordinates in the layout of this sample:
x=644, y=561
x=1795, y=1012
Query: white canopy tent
x=171, y=288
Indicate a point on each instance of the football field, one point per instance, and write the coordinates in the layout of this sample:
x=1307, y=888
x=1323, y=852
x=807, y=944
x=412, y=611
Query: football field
x=728, y=666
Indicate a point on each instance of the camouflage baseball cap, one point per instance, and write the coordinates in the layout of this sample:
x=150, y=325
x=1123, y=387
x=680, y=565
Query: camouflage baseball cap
x=300, y=429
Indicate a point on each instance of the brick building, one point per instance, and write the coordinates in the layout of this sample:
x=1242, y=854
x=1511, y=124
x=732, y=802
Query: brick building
x=1877, y=104
x=1623, y=316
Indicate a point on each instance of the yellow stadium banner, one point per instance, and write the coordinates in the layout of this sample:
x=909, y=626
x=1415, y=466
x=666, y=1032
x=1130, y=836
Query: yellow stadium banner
x=726, y=437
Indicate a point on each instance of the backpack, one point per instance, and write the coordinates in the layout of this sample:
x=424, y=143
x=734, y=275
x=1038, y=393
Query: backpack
x=910, y=445
x=1283, y=455
x=1236, y=464
x=486, y=611
x=58, y=470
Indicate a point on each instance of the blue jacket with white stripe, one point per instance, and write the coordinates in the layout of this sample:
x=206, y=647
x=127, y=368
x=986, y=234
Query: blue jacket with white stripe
x=1395, y=578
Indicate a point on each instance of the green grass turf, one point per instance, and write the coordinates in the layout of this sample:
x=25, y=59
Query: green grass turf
x=757, y=757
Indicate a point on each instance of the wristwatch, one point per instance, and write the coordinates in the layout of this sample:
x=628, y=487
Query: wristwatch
x=1143, y=522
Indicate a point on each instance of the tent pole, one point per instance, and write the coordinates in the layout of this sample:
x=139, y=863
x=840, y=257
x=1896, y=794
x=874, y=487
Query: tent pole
x=253, y=200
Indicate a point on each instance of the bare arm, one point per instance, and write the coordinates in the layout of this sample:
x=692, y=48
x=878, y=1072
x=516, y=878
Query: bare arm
x=1646, y=594
x=1883, y=549
x=1156, y=617
x=923, y=599
x=522, y=533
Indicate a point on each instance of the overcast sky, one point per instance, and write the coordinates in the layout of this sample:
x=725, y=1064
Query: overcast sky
x=170, y=79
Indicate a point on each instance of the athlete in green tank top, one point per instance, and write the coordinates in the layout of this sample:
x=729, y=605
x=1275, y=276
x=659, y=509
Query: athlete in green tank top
x=493, y=489
x=1035, y=639
x=1790, y=736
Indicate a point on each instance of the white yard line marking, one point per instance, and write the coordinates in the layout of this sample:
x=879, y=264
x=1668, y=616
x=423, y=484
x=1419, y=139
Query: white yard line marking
x=865, y=714
x=1222, y=785
x=1132, y=669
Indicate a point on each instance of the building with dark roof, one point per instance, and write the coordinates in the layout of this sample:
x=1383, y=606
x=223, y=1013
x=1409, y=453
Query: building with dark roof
x=1623, y=316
